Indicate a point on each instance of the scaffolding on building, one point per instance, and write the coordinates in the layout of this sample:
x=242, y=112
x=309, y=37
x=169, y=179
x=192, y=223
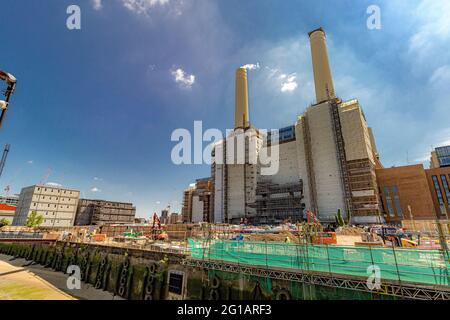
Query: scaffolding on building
x=340, y=151
x=276, y=203
x=309, y=166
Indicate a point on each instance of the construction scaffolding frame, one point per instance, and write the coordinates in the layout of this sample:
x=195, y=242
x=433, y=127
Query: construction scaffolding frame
x=309, y=165
x=342, y=158
x=391, y=288
x=406, y=273
x=278, y=202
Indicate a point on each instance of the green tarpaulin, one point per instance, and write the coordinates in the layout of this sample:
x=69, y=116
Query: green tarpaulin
x=412, y=265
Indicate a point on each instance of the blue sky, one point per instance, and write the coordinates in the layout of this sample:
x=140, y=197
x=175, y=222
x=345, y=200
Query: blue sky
x=98, y=105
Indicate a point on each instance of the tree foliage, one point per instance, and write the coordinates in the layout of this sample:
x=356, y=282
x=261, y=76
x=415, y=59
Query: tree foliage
x=4, y=222
x=34, y=220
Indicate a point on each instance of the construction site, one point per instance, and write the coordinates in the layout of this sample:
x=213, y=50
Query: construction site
x=313, y=230
x=220, y=261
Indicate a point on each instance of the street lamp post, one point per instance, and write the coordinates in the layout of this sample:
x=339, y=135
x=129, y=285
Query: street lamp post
x=10, y=87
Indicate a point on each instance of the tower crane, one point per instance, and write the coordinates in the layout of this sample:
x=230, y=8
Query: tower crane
x=10, y=87
x=45, y=178
x=5, y=155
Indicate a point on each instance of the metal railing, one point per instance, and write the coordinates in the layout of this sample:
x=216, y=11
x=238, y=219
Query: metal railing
x=398, y=264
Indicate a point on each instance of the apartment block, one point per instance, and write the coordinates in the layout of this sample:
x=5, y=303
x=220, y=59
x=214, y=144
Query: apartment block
x=57, y=205
x=100, y=212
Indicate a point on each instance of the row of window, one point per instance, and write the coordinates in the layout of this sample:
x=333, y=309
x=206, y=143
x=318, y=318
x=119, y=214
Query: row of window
x=440, y=193
x=56, y=198
x=443, y=154
x=443, y=151
x=49, y=220
x=57, y=190
x=444, y=161
x=393, y=201
x=54, y=206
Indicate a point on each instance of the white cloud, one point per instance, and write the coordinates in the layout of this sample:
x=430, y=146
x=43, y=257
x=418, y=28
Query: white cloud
x=98, y=179
x=441, y=75
x=272, y=72
x=158, y=202
x=182, y=78
x=428, y=44
x=434, y=23
x=251, y=66
x=53, y=184
x=289, y=82
x=95, y=189
x=97, y=4
x=30, y=161
x=142, y=6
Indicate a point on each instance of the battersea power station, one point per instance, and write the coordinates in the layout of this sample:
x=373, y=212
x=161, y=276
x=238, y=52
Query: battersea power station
x=327, y=162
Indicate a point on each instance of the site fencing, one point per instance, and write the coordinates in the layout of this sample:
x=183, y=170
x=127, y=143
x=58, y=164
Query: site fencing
x=401, y=264
x=20, y=235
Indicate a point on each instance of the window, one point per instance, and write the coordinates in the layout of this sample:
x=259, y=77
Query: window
x=394, y=189
x=386, y=189
x=389, y=205
x=398, y=206
x=175, y=283
x=445, y=184
x=437, y=187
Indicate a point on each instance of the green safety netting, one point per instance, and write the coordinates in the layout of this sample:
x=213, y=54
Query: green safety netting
x=411, y=265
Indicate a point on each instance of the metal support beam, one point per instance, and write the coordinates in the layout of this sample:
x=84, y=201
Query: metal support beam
x=392, y=288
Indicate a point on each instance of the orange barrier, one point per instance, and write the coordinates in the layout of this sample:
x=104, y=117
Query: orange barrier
x=325, y=238
x=99, y=237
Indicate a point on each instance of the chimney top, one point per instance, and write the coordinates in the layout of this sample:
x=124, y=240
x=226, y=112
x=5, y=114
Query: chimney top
x=315, y=30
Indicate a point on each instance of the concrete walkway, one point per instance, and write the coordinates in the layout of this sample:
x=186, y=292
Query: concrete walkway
x=34, y=282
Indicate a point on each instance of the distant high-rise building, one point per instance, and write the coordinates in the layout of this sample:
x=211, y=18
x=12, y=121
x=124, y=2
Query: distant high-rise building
x=57, y=205
x=197, y=202
x=164, y=216
x=186, y=209
x=440, y=157
x=174, y=218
